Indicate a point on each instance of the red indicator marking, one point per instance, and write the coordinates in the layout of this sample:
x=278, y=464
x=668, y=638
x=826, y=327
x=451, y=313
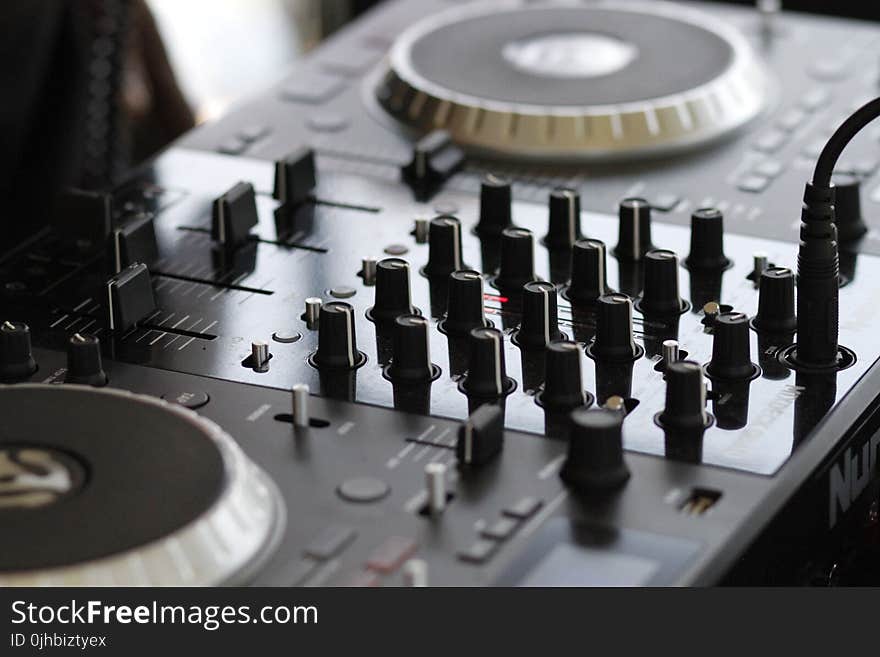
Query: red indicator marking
x=495, y=297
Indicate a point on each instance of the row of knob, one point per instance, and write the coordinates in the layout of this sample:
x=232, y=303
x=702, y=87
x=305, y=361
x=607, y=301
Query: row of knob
x=17, y=363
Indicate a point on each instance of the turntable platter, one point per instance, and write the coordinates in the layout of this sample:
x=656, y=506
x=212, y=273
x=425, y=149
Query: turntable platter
x=105, y=487
x=573, y=82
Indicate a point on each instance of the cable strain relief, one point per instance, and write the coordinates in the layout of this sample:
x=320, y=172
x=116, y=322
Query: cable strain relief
x=818, y=204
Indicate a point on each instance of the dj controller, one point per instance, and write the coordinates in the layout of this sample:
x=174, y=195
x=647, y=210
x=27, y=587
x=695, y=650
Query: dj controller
x=479, y=293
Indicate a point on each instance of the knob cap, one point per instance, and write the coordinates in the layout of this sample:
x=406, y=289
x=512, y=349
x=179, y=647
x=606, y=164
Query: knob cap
x=84, y=364
x=444, y=247
x=589, y=277
x=565, y=219
x=731, y=348
x=392, y=291
x=660, y=295
x=517, y=260
x=487, y=375
x=685, y=397
x=614, y=335
x=16, y=360
x=464, y=304
x=495, y=206
x=595, y=451
x=634, y=233
x=540, y=322
x=848, y=208
x=776, y=301
x=707, y=241
x=337, y=344
x=411, y=354
x=481, y=436
x=563, y=383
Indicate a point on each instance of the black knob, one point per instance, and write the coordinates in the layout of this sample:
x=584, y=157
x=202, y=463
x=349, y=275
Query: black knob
x=685, y=407
x=411, y=355
x=707, y=241
x=848, y=208
x=731, y=348
x=444, y=247
x=595, y=451
x=776, y=301
x=517, y=260
x=614, y=335
x=563, y=384
x=565, y=219
x=233, y=215
x=487, y=375
x=16, y=360
x=392, y=291
x=634, y=233
x=481, y=436
x=84, y=361
x=495, y=212
x=540, y=322
x=660, y=295
x=337, y=344
x=464, y=304
x=295, y=176
x=589, y=278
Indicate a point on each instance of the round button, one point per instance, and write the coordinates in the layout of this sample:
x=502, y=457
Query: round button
x=363, y=489
x=396, y=249
x=191, y=399
x=342, y=292
x=286, y=336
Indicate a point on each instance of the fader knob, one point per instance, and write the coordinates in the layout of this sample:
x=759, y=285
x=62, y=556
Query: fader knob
x=16, y=360
x=634, y=234
x=563, y=384
x=595, y=451
x=589, y=279
x=517, y=260
x=487, y=375
x=685, y=407
x=495, y=212
x=614, y=335
x=84, y=364
x=731, y=357
x=565, y=219
x=848, y=208
x=540, y=322
x=411, y=355
x=464, y=306
x=660, y=295
x=392, y=291
x=337, y=344
x=776, y=301
x=444, y=247
x=480, y=436
x=707, y=241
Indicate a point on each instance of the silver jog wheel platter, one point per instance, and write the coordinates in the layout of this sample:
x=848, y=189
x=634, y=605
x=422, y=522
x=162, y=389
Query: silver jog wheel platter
x=583, y=82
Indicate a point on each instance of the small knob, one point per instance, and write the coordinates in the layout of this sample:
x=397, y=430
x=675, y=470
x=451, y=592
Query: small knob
x=486, y=375
x=337, y=344
x=435, y=488
x=634, y=233
x=392, y=297
x=731, y=348
x=660, y=295
x=848, y=208
x=595, y=451
x=16, y=359
x=411, y=354
x=84, y=364
x=614, y=335
x=540, y=323
x=444, y=247
x=464, y=305
x=517, y=260
x=565, y=219
x=563, y=383
x=685, y=407
x=480, y=436
x=707, y=241
x=589, y=278
x=776, y=301
x=495, y=206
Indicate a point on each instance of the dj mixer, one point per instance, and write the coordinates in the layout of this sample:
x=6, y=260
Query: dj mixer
x=479, y=293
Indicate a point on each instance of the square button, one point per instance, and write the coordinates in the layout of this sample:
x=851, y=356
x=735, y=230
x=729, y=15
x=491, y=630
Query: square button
x=311, y=88
x=753, y=184
x=771, y=142
x=524, y=509
x=768, y=169
x=665, y=202
x=389, y=556
x=330, y=542
x=478, y=552
x=501, y=529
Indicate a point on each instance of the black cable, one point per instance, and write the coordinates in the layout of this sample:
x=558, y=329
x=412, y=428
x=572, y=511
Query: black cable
x=839, y=140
